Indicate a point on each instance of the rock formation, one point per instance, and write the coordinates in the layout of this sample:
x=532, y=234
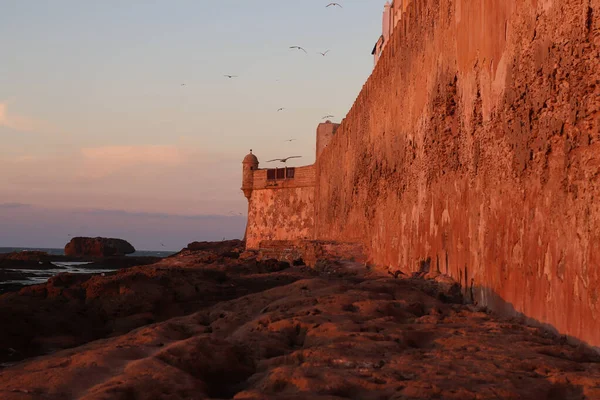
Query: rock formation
x=223, y=246
x=98, y=247
x=244, y=330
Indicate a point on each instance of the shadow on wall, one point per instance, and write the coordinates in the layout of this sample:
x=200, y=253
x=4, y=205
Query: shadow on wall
x=488, y=297
x=496, y=303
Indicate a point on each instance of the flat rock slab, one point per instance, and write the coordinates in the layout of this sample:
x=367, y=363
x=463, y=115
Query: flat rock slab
x=325, y=334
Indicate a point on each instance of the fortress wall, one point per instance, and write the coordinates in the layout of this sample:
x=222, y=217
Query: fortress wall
x=476, y=143
x=282, y=209
x=303, y=176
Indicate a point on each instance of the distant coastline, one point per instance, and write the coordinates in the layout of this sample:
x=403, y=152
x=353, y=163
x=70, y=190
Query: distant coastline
x=61, y=252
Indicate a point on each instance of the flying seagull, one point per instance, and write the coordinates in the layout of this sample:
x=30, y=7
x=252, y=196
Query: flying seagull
x=230, y=76
x=289, y=140
x=299, y=48
x=183, y=84
x=333, y=4
x=283, y=160
x=323, y=54
x=327, y=116
x=281, y=109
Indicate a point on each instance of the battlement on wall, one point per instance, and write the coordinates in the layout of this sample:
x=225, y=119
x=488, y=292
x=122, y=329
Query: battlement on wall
x=284, y=178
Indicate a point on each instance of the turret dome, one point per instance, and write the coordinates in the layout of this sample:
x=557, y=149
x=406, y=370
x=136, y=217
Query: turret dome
x=250, y=159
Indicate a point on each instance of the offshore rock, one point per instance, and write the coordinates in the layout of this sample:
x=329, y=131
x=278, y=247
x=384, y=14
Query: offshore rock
x=98, y=247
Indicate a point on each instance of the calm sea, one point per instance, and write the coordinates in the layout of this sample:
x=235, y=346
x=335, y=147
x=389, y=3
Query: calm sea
x=11, y=277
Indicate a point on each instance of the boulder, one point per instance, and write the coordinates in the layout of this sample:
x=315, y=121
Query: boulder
x=98, y=247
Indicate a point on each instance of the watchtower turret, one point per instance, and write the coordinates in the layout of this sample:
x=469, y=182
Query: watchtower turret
x=325, y=132
x=249, y=165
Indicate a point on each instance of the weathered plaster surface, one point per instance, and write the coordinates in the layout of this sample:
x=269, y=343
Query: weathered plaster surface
x=280, y=214
x=476, y=142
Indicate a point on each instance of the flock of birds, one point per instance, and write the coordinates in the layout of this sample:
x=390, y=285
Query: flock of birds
x=300, y=48
x=284, y=160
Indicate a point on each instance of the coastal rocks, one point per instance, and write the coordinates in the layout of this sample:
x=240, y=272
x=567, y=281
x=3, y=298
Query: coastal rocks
x=26, y=260
x=339, y=332
x=33, y=255
x=98, y=247
x=225, y=246
x=19, y=269
x=73, y=309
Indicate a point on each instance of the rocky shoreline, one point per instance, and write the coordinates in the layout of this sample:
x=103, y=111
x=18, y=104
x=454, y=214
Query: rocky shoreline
x=215, y=322
x=20, y=269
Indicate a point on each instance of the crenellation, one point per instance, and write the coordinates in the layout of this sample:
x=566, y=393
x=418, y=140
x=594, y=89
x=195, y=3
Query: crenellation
x=303, y=176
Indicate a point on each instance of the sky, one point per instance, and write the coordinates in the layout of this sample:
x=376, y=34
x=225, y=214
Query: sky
x=122, y=107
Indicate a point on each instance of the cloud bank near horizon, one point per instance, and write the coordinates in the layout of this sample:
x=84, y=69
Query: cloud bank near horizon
x=25, y=225
x=171, y=179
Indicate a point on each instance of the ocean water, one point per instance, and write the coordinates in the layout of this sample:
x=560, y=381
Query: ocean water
x=11, y=277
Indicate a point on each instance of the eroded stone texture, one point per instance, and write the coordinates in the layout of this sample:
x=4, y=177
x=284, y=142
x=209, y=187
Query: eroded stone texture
x=280, y=214
x=333, y=332
x=476, y=142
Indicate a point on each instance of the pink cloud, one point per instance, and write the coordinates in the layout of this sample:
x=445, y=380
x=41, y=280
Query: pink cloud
x=152, y=178
x=102, y=161
x=20, y=123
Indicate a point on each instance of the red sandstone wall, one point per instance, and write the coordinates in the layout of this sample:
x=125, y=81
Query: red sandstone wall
x=282, y=209
x=303, y=176
x=476, y=142
x=280, y=214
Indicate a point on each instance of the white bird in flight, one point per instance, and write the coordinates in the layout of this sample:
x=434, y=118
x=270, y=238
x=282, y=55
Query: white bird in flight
x=299, y=48
x=328, y=116
x=230, y=76
x=289, y=140
x=281, y=109
x=323, y=54
x=333, y=4
x=283, y=160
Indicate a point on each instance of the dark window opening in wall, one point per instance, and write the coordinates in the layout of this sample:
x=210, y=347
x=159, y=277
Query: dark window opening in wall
x=280, y=173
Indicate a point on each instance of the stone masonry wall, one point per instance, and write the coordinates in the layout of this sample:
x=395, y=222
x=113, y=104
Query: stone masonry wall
x=476, y=143
x=281, y=209
x=303, y=176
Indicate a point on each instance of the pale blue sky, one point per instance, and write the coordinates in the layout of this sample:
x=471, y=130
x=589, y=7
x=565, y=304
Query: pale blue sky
x=93, y=114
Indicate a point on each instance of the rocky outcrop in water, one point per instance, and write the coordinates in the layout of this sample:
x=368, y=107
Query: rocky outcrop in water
x=98, y=247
